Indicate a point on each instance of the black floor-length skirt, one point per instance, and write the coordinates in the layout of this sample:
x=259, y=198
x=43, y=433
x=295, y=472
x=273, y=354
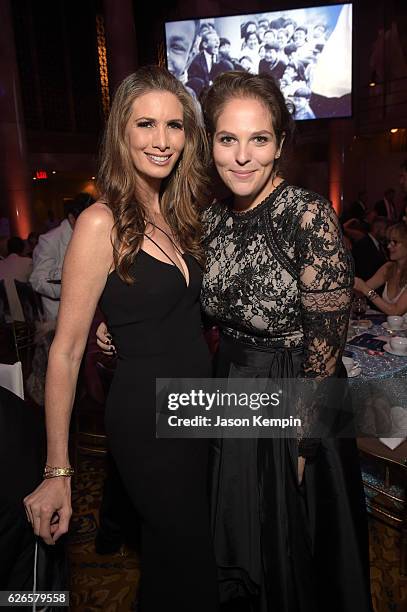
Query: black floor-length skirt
x=281, y=546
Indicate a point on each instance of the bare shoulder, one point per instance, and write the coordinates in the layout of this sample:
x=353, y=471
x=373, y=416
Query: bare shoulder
x=387, y=268
x=97, y=218
x=92, y=235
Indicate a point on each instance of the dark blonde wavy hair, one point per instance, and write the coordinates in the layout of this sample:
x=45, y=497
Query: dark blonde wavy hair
x=182, y=193
x=399, y=232
x=239, y=84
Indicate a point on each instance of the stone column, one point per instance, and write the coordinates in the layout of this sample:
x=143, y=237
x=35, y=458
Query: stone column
x=336, y=160
x=121, y=42
x=14, y=170
x=340, y=134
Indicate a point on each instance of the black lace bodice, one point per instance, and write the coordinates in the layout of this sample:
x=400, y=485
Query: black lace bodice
x=280, y=275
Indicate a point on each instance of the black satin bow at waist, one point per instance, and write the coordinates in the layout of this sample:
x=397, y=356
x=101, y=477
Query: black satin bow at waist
x=276, y=361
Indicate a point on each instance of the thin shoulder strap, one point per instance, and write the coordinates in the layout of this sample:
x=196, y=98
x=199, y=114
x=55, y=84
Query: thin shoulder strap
x=168, y=236
x=162, y=250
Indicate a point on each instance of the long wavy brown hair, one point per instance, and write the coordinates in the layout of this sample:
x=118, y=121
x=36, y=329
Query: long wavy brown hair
x=398, y=232
x=182, y=193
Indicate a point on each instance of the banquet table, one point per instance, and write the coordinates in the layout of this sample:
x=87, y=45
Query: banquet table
x=384, y=469
x=378, y=366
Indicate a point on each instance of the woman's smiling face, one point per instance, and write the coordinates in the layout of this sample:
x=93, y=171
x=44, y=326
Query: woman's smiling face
x=155, y=134
x=244, y=149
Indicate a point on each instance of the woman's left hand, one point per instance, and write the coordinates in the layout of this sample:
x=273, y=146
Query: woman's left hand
x=301, y=467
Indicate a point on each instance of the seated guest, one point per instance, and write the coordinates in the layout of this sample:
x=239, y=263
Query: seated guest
x=357, y=209
x=369, y=253
x=51, y=221
x=31, y=243
x=393, y=275
x=48, y=256
x=3, y=246
x=403, y=213
x=403, y=185
x=15, y=266
x=403, y=176
x=354, y=229
x=387, y=207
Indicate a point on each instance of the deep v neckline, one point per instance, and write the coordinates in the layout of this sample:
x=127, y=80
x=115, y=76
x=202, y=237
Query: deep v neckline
x=173, y=264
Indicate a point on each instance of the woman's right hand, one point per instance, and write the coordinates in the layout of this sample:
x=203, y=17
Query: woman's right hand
x=104, y=339
x=49, y=508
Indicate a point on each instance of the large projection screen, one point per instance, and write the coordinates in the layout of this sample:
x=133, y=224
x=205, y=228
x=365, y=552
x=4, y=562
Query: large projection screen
x=307, y=51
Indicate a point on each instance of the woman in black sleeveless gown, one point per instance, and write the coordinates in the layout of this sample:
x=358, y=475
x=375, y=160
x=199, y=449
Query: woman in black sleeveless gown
x=156, y=328
x=137, y=250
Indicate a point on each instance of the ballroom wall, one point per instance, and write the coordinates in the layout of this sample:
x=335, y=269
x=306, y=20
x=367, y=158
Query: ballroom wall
x=70, y=55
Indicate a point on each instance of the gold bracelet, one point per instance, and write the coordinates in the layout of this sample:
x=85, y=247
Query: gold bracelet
x=371, y=294
x=54, y=472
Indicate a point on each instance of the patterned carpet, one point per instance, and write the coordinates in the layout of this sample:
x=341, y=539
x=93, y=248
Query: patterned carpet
x=108, y=582
x=98, y=582
x=389, y=588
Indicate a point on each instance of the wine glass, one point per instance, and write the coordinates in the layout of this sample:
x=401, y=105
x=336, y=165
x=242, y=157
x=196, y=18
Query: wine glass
x=359, y=307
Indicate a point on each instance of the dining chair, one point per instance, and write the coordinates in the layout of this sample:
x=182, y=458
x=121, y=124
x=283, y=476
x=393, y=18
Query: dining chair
x=4, y=305
x=89, y=436
x=8, y=349
x=11, y=378
x=25, y=331
x=384, y=474
x=30, y=301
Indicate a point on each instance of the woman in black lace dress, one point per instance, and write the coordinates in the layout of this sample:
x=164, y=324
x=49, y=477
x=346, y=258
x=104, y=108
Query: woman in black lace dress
x=278, y=285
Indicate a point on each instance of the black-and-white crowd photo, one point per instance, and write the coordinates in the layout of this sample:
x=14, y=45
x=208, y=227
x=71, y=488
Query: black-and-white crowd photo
x=307, y=51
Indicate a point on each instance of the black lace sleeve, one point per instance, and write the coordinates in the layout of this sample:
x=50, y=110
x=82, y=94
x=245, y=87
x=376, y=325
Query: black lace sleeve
x=325, y=283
